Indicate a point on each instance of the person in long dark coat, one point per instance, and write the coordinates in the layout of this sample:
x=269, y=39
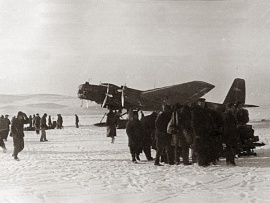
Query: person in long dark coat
x=215, y=136
x=180, y=128
x=163, y=138
x=148, y=123
x=230, y=135
x=111, y=123
x=200, y=126
x=134, y=132
x=17, y=133
x=7, y=123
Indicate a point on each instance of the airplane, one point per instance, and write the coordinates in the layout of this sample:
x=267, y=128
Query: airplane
x=114, y=97
x=237, y=93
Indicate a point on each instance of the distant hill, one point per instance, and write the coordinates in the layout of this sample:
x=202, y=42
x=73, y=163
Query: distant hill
x=51, y=104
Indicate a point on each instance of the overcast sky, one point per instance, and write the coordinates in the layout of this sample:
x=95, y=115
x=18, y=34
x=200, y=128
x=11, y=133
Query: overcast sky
x=53, y=46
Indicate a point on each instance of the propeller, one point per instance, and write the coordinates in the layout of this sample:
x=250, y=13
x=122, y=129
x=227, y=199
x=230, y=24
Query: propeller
x=122, y=90
x=106, y=97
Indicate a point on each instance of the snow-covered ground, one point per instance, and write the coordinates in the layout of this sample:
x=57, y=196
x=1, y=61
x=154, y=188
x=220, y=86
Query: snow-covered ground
x=81, y=165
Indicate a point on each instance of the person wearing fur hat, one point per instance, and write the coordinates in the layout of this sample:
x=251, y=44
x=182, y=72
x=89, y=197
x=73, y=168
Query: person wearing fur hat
x=17, y=133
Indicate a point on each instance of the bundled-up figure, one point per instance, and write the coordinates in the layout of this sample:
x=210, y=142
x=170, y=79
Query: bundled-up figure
x=148, y=123
x=111, y=123
x=215, y=136
x=7, y=124
x=36, y=123
x=200, y=126
x=59, y=122
x=17, y=133
x=43, y=126
x=163, y=139
x=230, y=135
x=180, y=128
x=134, y=132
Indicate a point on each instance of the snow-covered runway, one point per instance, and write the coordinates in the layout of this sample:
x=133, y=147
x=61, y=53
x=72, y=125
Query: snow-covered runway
x=81, y=165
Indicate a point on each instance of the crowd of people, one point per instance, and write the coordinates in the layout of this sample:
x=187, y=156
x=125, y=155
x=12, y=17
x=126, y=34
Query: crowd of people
x=174, y=131
x=15, y=129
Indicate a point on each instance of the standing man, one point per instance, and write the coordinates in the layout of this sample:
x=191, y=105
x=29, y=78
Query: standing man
x=179, y=127
x=134, y=132
x=18, y=134
x=230, y=135
x=7, y=123
x=76, y=121
x=36, y=123
x=163, y=139
x=43, y=126
x=148, y=123
x=200, y=126
x=111, y=123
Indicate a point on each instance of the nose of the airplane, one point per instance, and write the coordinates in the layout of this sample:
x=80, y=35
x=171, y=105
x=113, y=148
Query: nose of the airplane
x=82, y=91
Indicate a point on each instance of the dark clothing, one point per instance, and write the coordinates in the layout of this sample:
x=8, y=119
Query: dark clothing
x=36, y=123
x=179, y=127
x=18, y=134
x=43, y=126
x=163, y=139
x=18, y=145
x=230, y=136
x=77, y=121
x=148, y=124
x=201, y=126
x=215, y=136
x=134, y=132
x=242, y=116
x=59, y=122
x=111, y=123
x=7, y=128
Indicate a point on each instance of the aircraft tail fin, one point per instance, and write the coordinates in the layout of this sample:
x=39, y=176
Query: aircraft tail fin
x=237, y=92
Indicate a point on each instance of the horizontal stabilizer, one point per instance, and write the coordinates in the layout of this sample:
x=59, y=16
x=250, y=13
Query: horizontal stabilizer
x=249, y=105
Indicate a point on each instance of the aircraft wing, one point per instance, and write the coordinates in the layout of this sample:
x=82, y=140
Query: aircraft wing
x=182, y=93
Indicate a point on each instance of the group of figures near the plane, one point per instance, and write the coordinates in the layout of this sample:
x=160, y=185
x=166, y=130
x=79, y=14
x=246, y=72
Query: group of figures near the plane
x=210, y=129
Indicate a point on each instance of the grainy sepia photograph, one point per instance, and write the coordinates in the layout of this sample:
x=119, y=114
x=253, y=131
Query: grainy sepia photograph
x=134, y=101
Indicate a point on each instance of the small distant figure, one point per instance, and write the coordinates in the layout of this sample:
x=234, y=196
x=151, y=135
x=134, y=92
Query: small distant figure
x=76, y=121
x=111, y=123
x=36, y=123
x=59, y=122
x=43, y=126
x=50, y=121
x=7, y=123
x=18, y=134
